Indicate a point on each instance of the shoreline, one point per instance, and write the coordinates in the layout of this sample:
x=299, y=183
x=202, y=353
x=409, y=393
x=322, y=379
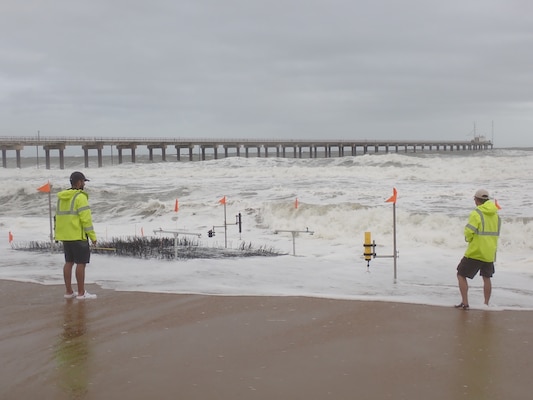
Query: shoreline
x=197, y=346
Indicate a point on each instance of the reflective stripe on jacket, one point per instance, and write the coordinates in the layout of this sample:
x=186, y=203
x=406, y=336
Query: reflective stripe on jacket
x=482, y=232
x=73, y=216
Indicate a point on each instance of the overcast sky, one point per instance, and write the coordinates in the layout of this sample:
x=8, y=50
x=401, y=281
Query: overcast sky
x=346, y=69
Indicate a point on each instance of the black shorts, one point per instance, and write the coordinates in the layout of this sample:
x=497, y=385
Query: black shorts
x=77, y=251
x=468, y=267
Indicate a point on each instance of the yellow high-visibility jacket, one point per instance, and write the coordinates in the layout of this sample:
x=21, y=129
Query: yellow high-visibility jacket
x=482, y=232
x=73, y=219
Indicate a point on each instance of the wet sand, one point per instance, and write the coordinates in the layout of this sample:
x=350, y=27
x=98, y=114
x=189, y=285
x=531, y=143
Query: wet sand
x=167, y=346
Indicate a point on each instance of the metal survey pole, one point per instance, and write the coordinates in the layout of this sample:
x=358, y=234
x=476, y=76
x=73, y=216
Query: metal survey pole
x=176, y=233
x=37, y=147
x=50, y=217
x=395, y=254
x=370, y=246
x=294, y=237
x=238, y=222
x=225, y=228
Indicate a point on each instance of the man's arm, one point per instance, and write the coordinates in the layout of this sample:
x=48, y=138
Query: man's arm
x=472, y=227
x=84, y=212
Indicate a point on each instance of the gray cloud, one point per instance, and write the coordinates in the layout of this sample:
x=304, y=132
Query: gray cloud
x=292, y=68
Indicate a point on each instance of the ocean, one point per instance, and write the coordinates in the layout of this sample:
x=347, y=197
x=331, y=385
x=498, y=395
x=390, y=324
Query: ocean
x=339, y=199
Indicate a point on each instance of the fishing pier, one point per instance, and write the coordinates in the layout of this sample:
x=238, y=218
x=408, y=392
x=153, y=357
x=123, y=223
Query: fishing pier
x=203, y=149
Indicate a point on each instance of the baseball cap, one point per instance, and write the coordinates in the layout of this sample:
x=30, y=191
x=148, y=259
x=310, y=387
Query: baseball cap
x=77, y=176
x=482, y=194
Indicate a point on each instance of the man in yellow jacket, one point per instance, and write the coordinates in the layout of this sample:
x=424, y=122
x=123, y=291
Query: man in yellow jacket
x=74, y=227
x=481, y=232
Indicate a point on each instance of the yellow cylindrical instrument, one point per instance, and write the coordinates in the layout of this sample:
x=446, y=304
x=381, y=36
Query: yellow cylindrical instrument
x=369, y=247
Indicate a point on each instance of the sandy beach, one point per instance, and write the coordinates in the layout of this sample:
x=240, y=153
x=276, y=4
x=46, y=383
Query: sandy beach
x=168, y=346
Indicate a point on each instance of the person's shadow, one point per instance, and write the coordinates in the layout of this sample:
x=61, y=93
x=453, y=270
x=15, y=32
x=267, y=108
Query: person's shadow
x=72, y=351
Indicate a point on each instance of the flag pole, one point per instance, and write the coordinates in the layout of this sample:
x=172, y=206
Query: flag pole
x=47, y=188
x=176, y=208
x=50, y=217
x=225, y=227
x=394, y=237
x=223, y=201
x=392, y=200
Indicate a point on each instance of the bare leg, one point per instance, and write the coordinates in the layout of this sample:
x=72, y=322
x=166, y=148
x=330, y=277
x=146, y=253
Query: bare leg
x=80, y=278
x=67, y=276
x=487, y=289
x=463, y=288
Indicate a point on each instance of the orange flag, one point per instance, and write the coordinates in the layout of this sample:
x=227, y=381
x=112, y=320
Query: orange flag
x=176, y=206
x=497, y=204
x=10, y=237
x=392, y=199
x=222, y=200
x=142, y=231
x=45, y=188
x=296, y=203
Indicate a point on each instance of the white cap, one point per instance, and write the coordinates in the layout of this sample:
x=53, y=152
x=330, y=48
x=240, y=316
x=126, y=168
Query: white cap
x=482, y=194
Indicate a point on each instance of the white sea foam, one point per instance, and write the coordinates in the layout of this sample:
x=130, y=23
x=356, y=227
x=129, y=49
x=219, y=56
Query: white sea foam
x=339, y=199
